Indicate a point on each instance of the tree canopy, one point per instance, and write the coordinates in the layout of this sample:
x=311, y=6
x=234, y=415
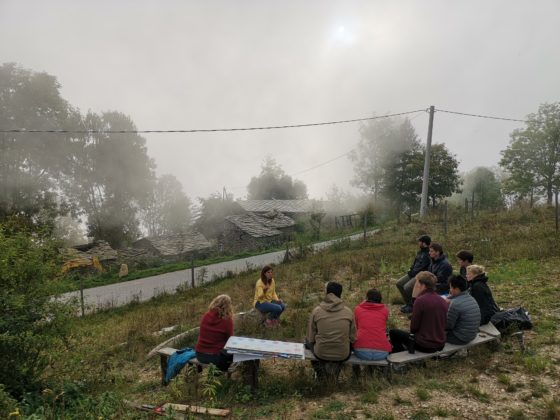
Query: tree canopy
x=532, y=158
x=274, y=183
x=389, y=163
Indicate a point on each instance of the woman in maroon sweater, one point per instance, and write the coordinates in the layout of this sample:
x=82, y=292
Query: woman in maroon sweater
x=215, y=329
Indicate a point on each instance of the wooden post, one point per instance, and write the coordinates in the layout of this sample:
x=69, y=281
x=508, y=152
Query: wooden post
x=82, y=288
x=445, y=219
x=192, y=271
x=467, y=205
x=426, y=176
x=472, y=206
x=365, y=225
x=556, y=205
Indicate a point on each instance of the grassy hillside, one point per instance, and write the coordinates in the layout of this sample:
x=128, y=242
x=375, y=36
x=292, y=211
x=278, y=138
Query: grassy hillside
x=104, y=361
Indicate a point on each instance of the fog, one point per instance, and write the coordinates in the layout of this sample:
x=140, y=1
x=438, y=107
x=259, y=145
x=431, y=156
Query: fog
x=220, y=64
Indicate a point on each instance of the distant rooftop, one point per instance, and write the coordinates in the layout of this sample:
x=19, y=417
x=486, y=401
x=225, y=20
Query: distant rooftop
x=261, y=225
x=178, y=243
x=284, y=206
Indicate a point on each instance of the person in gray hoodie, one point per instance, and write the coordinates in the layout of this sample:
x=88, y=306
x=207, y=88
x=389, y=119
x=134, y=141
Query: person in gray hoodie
x=463, y=316
x=331, y=329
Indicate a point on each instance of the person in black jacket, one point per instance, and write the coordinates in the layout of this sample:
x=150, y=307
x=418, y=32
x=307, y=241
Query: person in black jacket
x=440, y=267
x=479, y=290
x=421, y=263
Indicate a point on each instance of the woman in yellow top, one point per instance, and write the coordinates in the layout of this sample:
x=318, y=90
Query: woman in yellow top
x=266, y=299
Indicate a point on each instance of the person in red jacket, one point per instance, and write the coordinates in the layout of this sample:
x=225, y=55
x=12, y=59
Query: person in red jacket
x=215, y=329
x=371, y=324
x=429, y=318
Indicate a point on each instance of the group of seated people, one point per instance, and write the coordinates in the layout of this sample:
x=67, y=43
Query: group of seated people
x=440, y=313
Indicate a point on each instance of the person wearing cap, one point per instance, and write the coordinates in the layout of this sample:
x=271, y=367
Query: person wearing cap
x=331, y=330
x=421, y=263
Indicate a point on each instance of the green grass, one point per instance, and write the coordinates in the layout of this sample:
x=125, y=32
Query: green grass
x=106, y=351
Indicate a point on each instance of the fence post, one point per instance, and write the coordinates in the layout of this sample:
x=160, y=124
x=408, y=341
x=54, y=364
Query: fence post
x=445, y=219
x=365, y=225
x=467, y=205
x=82, y=297
x=472, y=206
x=556, y=211
x=192, y=271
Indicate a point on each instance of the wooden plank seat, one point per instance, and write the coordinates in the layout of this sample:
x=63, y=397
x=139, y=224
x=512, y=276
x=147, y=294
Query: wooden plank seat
x=487, y=333
x=353, y=360
x=166, y=352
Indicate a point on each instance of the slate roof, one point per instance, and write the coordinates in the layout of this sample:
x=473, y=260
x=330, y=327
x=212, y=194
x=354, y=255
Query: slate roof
x=284, y=206
x=178, y=243
x=100, y=249
x=261, y=225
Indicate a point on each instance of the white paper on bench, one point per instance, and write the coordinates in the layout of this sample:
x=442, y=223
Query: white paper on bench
x=270, y=348
x=243, y=357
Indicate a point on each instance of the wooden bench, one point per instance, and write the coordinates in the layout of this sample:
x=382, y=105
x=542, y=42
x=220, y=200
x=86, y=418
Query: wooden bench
x=251, y=367
x=486, y=333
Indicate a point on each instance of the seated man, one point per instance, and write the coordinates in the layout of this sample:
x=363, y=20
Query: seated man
x=463, y=316
x=421, y=262
x=331, y=330
x=464, y=258
x=429, y=316
x=440, y=267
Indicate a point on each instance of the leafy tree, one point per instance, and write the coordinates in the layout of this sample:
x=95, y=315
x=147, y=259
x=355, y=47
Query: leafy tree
x=383, y=158
x=533, y=155
x=31, y=321
x=274, y=183
x=112, y=177
x=211, y=212
x=444, y=174
x=30, y=163
x=486, y=187
x=168, y=209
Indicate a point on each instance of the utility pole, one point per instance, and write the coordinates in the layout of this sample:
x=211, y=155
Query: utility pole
x=426, y=178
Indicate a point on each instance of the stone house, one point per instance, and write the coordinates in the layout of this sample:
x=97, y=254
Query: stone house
x=253, y=232
x=173, y=247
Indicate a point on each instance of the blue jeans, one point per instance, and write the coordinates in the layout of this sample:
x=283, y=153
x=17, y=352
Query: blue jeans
x=369, y=354
x=273, y=309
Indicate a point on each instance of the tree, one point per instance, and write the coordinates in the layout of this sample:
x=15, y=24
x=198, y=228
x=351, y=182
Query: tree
x=386, y=159
x=168, y=209
x=211, y=212
x=31, y=320
x=486, y=187
x=274, y=183
x=444, y=174
x=112, y=177
x=30, y=163
x=533, y=155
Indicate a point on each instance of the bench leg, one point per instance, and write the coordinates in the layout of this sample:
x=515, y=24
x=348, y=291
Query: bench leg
x=163, y=364
x=251, y=373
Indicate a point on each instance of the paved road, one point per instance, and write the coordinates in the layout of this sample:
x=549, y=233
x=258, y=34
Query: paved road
x=113, y=295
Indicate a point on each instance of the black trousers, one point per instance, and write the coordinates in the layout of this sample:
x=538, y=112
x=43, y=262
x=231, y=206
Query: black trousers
x=399, y=340
x=221, y=360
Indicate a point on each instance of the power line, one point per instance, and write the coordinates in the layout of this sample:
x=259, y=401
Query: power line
x=322, y=164
x=208, y=130
x=490, y=117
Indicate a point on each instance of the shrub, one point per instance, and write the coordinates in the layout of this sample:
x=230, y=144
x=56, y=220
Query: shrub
x=31, y=320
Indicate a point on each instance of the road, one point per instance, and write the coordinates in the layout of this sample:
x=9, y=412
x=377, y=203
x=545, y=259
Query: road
x=118, y=294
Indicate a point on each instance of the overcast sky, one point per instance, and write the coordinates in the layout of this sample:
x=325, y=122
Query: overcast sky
x=215, y=64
